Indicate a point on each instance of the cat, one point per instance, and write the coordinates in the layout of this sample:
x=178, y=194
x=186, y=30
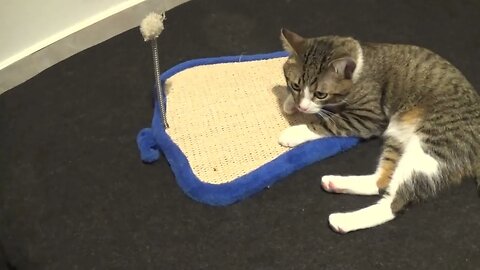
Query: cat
x=424, y=108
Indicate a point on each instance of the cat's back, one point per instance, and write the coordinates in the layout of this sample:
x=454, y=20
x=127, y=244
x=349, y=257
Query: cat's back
x=412, y=74
x=423, y=62
x=413, y=64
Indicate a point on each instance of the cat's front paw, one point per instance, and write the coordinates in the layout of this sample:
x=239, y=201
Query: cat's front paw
x=341, y=222
x=295, y=135
x=289, y=106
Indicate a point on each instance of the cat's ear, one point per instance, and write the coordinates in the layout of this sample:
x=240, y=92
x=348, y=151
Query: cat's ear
x=292, y=42
x=344, y=66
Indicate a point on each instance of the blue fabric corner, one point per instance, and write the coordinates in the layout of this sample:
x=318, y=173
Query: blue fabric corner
x=147, y=146
x=153, y=139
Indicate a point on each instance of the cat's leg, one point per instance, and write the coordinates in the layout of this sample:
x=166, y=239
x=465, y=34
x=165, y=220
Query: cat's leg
x=367, y=184
x=413, y=165
x=296, y=135
x=371, y=216
x=289, y=105
x=337, y=125
x=352, y=184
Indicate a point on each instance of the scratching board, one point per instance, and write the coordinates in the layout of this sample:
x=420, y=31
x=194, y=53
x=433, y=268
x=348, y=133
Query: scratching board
x=225, y=118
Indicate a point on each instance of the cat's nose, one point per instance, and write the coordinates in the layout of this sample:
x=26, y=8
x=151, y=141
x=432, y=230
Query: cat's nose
x=304, y=105
x=302, y=108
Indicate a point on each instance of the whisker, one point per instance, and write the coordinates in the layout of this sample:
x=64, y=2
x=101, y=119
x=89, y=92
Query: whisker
x=333, y=114
x=345, y=100
x=327, y=118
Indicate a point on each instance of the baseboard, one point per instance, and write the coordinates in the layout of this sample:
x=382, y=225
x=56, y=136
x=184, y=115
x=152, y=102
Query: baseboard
x=84, y=35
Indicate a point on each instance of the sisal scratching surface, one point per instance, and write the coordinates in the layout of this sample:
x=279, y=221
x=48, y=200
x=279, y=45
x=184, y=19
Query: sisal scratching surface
x=226, y=118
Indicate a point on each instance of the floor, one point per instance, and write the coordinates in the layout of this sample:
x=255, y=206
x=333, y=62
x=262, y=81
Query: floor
x=76, y=196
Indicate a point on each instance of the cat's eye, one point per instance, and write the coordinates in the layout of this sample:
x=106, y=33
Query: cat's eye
x=295, y=86
x=320, y=95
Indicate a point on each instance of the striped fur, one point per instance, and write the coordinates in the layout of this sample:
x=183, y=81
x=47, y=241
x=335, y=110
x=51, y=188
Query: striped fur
x=426, y=110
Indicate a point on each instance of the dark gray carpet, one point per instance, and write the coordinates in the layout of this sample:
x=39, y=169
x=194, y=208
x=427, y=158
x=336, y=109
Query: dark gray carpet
x=76, y=196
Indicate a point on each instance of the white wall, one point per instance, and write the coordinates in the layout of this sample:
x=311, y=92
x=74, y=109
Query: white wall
x=36, y=34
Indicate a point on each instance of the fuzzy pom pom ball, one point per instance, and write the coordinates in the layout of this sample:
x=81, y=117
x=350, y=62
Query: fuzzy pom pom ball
x=152, y=26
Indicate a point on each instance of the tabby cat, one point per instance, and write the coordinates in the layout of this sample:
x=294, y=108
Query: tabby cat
x=425, y=109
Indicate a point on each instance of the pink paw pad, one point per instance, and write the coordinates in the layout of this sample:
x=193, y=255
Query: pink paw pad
x=328, y=186
x=331, y=186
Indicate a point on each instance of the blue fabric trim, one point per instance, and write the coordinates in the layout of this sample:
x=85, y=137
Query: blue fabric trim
x=244, y=186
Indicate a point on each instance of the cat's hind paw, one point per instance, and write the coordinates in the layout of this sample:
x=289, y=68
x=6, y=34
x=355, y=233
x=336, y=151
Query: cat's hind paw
x=340, y=222
x=354, y=184
x=328, y=184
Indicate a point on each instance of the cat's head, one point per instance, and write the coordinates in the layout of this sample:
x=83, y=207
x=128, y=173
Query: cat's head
x=320, y=71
